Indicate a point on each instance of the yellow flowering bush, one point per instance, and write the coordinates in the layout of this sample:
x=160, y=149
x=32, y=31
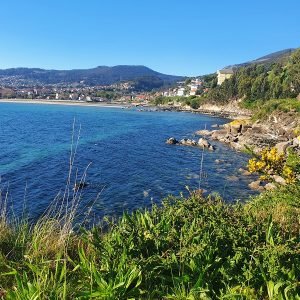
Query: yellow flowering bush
x=270, y=162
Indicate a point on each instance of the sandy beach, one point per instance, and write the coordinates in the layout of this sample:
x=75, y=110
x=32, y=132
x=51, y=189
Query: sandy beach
x=63, y=102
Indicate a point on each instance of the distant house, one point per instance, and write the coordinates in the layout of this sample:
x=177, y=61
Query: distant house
x=193, y=90
x=224, y=74
x=180, y=92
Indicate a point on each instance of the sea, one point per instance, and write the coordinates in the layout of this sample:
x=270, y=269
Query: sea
x=120, y=154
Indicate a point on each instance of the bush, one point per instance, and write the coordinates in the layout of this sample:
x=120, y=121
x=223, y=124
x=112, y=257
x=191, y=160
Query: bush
x=269, y=162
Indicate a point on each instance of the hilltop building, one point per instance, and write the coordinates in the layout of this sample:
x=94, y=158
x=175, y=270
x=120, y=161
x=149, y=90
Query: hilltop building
x=224, y=74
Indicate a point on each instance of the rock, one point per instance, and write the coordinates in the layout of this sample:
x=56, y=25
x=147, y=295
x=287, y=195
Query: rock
x=172, y=141
x=219, y=161
x=211, y=147
x=279, y=179
x=203, y=143
x=281, y=147
x=215, y=126
x=204, y=132
x=232, y=178
x=80, y=186
x=244, y=172
x=256, y=185
x=245, y=128
x=296, y=141
x=227, y=127
x=256, y=129
x=235, y=129
x=270, y=186
x=188, y=142
x=219, y=134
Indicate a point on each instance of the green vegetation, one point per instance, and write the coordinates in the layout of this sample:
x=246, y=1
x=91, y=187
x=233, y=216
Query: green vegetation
x=108, y=95
x=271, y=162
x=194, y=248
x=192, y=101
x=256, y=85
x=262, y=108
x=261, y=82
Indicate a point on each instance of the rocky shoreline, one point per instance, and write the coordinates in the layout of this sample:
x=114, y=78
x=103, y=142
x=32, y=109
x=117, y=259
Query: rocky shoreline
x=280, y=130
x=229, y=111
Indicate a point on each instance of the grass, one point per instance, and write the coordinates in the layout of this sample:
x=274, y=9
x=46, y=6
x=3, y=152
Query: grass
x=194, y=248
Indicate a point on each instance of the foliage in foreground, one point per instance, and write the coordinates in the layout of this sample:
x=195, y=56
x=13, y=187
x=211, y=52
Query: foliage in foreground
x=271, y=162
x=195, y=248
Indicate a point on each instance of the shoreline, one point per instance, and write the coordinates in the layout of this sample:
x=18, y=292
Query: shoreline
x=212, y=112
x=63, y=102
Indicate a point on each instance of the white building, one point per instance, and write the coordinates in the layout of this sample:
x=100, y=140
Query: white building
x=180, y=92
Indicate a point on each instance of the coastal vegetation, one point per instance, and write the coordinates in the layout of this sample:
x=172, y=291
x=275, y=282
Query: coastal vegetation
x=188, y=248
x=272, y=84
x=260, y=81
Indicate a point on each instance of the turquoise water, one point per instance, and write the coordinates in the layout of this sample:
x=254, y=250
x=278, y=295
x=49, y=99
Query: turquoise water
x=130, y=164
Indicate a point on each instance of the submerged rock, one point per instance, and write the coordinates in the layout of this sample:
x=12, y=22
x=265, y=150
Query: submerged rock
x=204, y=132
x=244, y=172
x=219, y=161
x=80, y=185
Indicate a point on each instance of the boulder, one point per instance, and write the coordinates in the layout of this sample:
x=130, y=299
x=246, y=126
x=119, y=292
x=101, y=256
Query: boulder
x=219, y=134
x=235, y=129
x=232, y=178
x=203, y=143
x=219, y=161
x=278, y=179
x=215, y=126
x=172, y=141
x=245, y=128
x=256, y=185
x=211, y=148
x=188, y=142
x=281, y=147
x=244, y=172
x=296, y=141
x=270, y=186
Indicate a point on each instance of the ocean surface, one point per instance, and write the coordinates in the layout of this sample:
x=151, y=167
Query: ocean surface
x=128, y=165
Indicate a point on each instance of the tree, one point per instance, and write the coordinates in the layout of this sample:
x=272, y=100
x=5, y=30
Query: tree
x=293, y=71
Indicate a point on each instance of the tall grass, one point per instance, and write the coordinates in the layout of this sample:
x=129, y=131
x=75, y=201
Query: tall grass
x=194, y=248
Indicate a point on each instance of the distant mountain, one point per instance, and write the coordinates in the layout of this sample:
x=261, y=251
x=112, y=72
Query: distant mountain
x=275, y=57
x=102, y=75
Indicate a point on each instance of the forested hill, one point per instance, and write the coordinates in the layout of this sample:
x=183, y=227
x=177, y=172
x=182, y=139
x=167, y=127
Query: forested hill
x=276, y=79
x=275, y=57
x=102, y=75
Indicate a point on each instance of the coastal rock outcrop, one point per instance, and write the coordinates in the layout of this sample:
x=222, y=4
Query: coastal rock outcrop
x=171, y=141
x=281, y=130
x=203, y=143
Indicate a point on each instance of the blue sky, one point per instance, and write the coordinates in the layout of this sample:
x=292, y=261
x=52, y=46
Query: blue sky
x=190, y=37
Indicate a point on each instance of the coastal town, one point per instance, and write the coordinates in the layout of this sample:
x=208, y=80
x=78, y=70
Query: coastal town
x=14, y=87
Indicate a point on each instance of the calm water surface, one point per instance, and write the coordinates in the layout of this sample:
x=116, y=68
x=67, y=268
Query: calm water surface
x=130, y=164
